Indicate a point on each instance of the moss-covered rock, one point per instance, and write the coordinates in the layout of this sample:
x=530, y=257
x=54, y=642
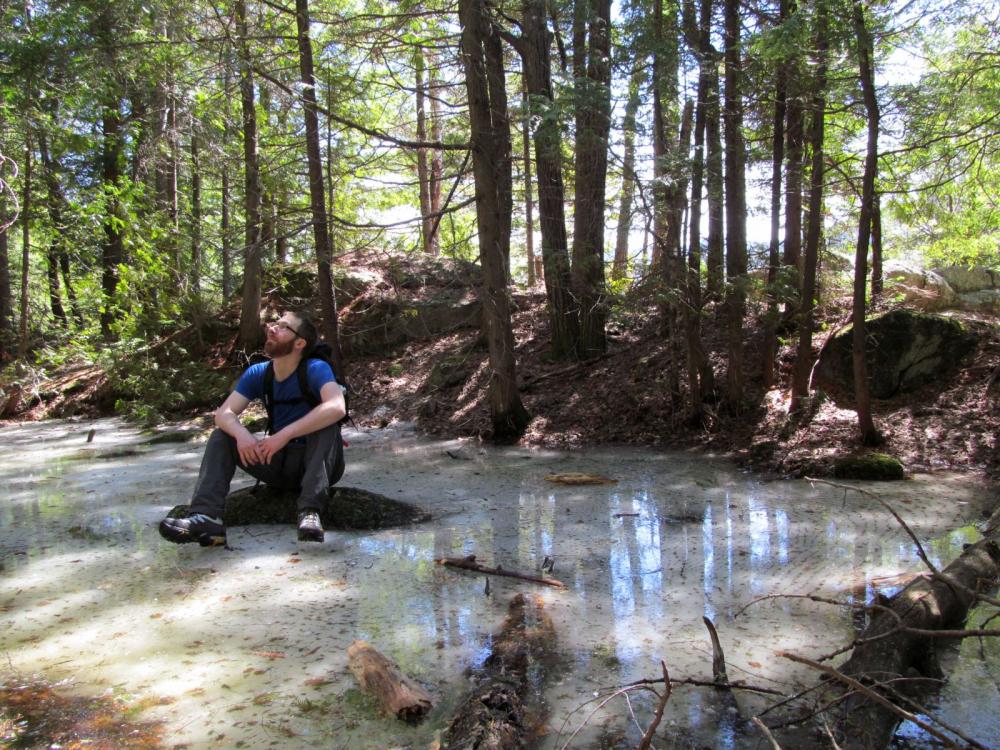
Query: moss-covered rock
x=348, y=508
x=869, y=467
x=904, y=350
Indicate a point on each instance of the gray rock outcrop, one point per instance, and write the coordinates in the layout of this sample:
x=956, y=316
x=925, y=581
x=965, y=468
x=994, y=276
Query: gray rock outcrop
x=904, y=351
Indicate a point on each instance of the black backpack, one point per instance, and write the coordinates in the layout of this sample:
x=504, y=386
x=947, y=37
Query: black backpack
x=321, y=351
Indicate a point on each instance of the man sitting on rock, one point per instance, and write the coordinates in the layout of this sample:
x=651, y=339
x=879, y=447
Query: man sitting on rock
x=302, y=451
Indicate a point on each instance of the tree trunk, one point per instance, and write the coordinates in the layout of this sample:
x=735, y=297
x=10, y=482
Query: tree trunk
x=251, y=334
x=791, y=257
x=22, y=346
x=593, y=125
x=428, y=222
x=54, y=202
x=814, y=229
x=482, y=56
x=774, y=246
x=535, y=44
x=437, y=161
x=736, y=202
x=877, y=277
x=713, y=181
x=862, y=397
x=324, y=247
x=6, y=301
x=620, y=266
x=700, y=376
x=529, y=196
x=113, y=249
x=224, y=221
x=196, y=259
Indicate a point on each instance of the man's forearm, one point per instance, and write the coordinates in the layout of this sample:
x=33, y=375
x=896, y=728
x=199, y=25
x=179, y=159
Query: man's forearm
x=323, y=415
x=230, y=423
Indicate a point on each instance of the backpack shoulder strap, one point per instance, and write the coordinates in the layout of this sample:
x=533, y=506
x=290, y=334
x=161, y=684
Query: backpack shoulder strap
x=302, y=371
x=269, y=395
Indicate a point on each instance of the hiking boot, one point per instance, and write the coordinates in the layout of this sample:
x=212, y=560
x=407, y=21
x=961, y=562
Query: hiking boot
x=310, y=526
x=205, y=530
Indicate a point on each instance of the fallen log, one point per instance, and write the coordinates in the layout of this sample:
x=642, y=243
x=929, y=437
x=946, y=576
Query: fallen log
x=497, y=713
x=396, y=693
x=469, y=563
x=890, y=650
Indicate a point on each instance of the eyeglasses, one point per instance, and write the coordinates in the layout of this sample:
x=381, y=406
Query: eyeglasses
x=283, y=326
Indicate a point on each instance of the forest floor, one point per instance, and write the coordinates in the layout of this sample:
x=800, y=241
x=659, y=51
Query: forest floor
x=625, y=398
x=631, y=396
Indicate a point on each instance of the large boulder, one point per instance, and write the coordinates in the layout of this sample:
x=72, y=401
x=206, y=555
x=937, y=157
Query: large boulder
x=904, y=350
x=919, y=287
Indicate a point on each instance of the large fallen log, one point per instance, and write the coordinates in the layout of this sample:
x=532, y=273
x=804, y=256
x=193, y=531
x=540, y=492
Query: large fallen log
x=891, y=653
x=397, y=694
x=497, y=713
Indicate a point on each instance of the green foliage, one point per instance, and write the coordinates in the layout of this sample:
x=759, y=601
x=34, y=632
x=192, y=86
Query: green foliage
x=150, y=385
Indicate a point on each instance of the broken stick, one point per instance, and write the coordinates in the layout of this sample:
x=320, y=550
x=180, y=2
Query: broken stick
x=396, y=693
x=469, y=563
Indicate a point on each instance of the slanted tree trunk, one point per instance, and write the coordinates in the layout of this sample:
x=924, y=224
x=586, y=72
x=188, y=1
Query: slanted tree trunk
x=593, y=125
x=534, y=49
x=317, y=202
x=862, y=397
x=736, y=205
x=489, y=118
x=888, y=651
x=251, y=334
x=814, y=229
x=620, y=266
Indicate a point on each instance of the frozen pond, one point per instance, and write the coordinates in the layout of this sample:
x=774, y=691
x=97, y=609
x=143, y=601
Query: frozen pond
x=246, y=647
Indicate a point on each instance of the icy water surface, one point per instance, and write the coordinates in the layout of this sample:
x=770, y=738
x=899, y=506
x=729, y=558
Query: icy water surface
x=246, y=647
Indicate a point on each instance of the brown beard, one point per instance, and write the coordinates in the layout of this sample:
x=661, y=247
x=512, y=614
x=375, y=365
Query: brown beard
x=274, y=348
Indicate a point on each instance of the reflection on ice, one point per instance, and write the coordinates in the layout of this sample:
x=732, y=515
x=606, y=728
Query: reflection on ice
x=248, y=645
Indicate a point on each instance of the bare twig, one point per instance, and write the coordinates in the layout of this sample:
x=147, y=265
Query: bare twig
x=469, y=563
x=647, y=738
x=767, y=733
x=871, y=695
x=884, y=504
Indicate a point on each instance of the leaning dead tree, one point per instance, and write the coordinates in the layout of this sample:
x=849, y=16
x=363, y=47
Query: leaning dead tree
x=894, y=660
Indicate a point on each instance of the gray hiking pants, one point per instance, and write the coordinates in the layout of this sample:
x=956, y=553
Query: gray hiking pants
x=311, y=467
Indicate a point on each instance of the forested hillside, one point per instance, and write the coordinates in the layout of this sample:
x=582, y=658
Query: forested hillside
x=726, y=179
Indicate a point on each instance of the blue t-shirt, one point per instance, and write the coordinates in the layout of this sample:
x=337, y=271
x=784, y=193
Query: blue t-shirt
x=251, y=386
